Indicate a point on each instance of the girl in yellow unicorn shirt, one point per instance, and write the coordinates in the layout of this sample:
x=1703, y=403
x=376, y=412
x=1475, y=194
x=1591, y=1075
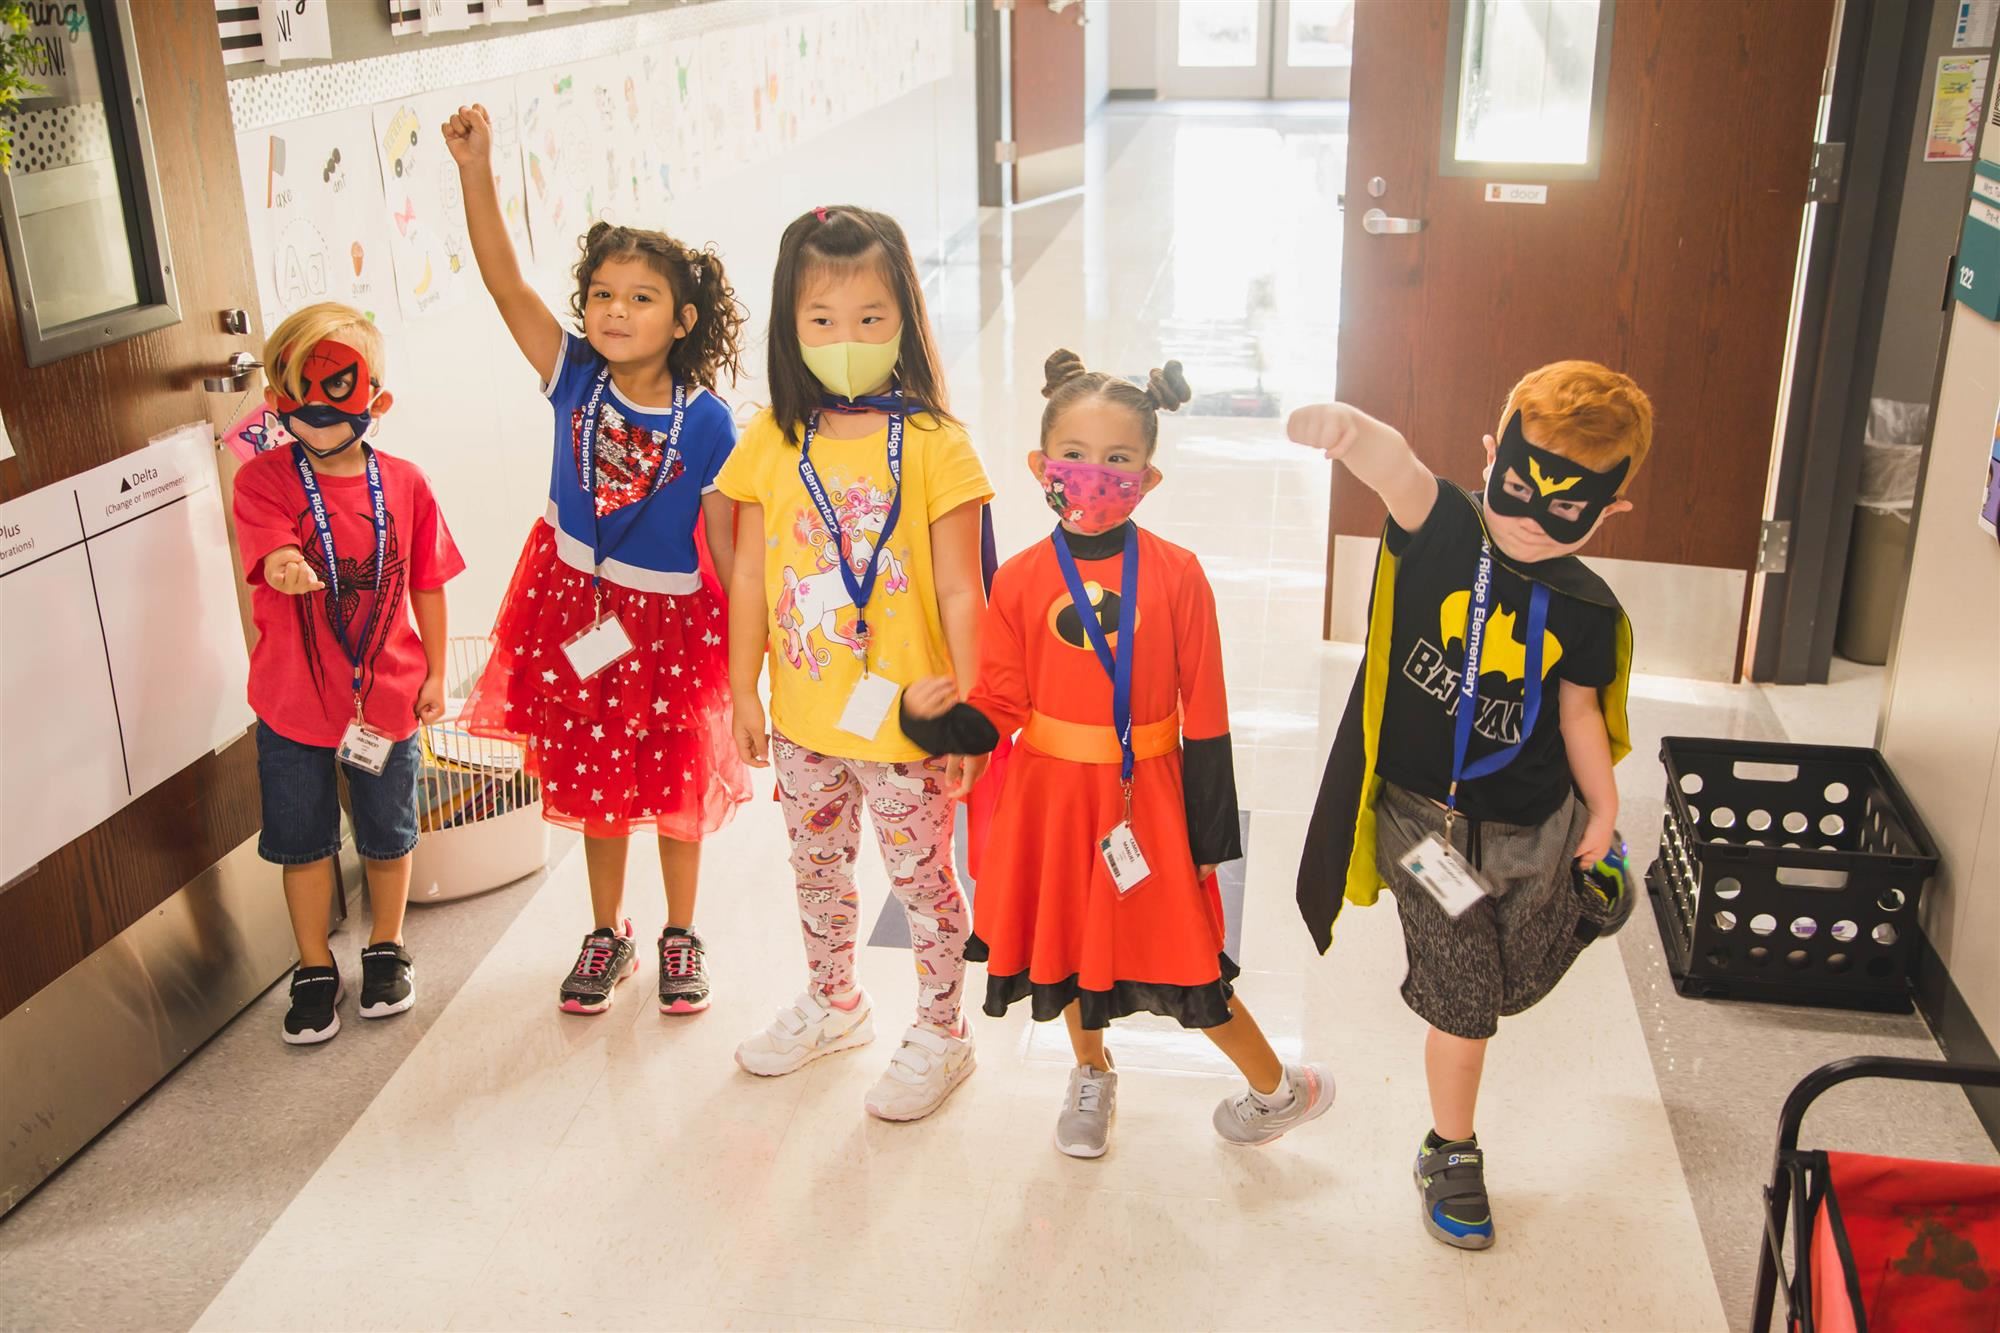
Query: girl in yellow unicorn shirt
x=858, y=572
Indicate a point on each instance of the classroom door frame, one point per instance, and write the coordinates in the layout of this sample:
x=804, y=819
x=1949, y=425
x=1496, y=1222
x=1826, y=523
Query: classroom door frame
x=1877, y=72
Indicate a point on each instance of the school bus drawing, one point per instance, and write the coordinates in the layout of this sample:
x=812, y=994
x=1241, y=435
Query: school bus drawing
x=401, y=140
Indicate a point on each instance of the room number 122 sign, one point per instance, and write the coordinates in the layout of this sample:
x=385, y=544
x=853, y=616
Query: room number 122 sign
x=1978, y=276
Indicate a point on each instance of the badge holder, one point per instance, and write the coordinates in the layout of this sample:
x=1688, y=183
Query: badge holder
x=1444, y=873
x=606, y=641
x=599, y=646
x=363, y=747
x=1434, y=863
x=869, y=703
x=873, y=696
x=1120, y=849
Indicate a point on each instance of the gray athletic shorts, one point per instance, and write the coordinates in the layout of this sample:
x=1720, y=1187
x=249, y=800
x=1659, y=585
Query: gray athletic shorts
x=1503, y=954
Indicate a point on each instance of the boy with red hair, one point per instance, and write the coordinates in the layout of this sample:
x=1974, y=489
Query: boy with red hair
x=1477, y=795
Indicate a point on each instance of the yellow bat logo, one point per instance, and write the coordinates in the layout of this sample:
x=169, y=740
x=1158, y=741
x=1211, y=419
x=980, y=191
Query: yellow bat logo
x=1501, y=652
x=1549, y=485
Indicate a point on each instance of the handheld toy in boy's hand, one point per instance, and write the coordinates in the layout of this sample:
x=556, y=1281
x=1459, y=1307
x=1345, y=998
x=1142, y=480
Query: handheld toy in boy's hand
x=1609, y=882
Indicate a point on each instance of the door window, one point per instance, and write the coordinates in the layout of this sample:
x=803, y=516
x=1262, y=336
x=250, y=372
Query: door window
x=1527, y=85
x=1218, y=34
x=1320, y=34
x=84, y=226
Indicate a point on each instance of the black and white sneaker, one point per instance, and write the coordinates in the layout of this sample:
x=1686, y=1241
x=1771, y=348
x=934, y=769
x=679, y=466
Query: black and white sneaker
x=608, y=957
x=388, y=980
x=314, y=1016
x=683, y=972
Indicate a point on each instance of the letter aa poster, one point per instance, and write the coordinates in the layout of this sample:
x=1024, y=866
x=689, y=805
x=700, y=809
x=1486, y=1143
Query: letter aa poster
x=317, y=225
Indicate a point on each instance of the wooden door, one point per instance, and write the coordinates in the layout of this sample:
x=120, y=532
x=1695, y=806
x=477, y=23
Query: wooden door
x=1674, y=262
x=92, y=408
x=1046, y=95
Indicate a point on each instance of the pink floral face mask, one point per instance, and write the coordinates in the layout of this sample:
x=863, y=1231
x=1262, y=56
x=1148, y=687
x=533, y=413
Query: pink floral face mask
x=1091, y=497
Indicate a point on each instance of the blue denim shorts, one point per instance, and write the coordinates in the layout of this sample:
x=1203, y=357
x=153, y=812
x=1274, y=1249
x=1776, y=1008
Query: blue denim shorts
x=302, y=801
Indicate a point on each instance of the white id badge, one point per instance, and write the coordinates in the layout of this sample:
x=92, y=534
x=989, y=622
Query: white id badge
x=1123, y=858
x=365, y=748
x=1444, y=872
x=868, y=707
x=597, y=647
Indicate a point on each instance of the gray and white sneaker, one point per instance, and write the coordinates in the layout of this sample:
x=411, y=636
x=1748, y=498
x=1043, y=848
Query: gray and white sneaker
x=803, y=1032
x=1246, y=1120
x=1084, y=1127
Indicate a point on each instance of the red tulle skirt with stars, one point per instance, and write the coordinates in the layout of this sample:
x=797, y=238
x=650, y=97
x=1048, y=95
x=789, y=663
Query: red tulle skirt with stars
x=644, y=745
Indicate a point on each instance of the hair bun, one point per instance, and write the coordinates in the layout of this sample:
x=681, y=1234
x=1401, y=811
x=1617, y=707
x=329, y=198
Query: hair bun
x=1168, y=387
x=1062, y=366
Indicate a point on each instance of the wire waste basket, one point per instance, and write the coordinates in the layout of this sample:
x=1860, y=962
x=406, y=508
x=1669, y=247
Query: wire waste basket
x=479, y=812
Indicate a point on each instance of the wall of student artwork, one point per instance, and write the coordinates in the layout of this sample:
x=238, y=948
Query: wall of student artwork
x=717, y=122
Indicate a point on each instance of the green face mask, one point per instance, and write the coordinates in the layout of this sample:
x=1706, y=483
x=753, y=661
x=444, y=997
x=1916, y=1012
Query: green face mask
x=852, y=369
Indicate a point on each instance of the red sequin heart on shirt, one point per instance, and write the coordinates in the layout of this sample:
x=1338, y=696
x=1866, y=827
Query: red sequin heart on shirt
x=628, y=455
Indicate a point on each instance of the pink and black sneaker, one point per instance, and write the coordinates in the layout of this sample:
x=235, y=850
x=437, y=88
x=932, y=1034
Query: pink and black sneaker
x=683, y=972
x=607, y=958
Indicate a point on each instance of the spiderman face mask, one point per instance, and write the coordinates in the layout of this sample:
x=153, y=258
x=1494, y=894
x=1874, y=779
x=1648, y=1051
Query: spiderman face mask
x=1564, y=498
x=338, y=389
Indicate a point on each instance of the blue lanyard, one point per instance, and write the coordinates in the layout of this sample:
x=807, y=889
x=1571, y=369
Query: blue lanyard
x=861, y=586
x=378, y=508
x=587, y=470
x=1117, y=665
x=1468, y=682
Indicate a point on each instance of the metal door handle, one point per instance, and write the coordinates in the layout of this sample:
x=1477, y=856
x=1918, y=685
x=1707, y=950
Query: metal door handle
x=1377, y=223
x=235, y=375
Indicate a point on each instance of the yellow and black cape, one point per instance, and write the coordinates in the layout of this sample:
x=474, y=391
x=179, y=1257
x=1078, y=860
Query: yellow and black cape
x=1339, y=858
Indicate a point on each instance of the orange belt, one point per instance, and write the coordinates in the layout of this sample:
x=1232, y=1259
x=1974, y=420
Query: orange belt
x=1081, y=743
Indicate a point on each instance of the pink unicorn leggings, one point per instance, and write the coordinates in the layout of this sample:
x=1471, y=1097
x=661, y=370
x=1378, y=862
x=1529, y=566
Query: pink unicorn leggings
x=822, y=797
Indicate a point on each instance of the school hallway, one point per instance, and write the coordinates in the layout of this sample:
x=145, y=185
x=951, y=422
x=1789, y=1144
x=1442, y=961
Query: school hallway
x=486, y=1162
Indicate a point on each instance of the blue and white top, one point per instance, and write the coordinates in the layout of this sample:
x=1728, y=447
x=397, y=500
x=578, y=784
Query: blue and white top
x=647, y=538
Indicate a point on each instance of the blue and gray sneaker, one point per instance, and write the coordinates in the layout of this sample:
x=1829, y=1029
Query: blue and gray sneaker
x=1451, y=1180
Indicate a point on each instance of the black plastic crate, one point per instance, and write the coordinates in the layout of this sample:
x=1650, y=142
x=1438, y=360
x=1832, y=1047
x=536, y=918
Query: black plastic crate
x=1788, y=873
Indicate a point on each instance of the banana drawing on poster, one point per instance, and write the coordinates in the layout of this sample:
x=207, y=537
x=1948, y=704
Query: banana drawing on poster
x=318, y=229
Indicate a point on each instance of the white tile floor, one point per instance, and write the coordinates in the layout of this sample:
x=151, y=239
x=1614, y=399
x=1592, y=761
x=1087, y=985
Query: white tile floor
x=524, y=1169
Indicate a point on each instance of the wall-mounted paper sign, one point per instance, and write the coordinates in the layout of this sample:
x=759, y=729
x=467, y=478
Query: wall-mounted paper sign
x=1517, y=194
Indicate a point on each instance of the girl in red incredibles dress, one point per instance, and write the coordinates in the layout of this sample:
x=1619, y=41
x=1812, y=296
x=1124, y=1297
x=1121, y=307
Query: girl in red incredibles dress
x=609, y=655
x=1097, y=897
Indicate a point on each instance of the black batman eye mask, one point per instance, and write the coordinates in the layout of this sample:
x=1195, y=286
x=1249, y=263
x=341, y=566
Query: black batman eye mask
x=1550, y=479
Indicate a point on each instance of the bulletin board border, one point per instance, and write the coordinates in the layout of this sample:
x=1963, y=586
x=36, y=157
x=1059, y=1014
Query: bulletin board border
x=285, y=95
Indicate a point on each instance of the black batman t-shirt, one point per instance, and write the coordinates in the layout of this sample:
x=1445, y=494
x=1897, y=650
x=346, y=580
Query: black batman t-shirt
x=1434, y=574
